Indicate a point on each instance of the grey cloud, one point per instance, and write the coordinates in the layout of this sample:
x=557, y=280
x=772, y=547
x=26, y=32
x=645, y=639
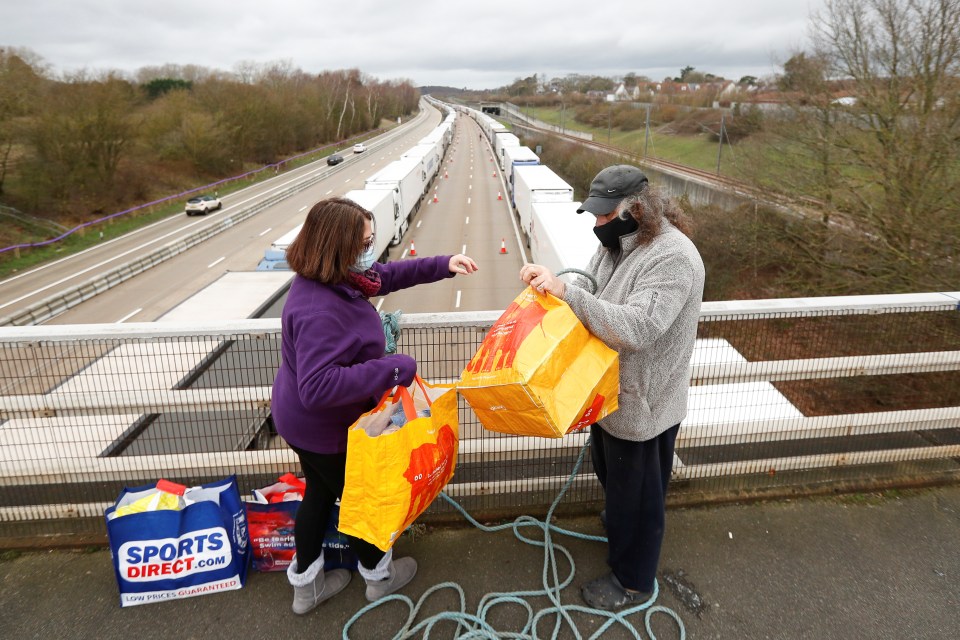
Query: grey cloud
x=431, y=42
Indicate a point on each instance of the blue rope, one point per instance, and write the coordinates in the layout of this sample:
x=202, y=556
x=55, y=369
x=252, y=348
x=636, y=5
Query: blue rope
x=476, y=627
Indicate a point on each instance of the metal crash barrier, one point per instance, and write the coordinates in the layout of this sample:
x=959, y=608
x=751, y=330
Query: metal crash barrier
x=787, y=396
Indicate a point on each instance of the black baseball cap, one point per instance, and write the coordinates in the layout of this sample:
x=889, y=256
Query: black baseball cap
x=612, y=185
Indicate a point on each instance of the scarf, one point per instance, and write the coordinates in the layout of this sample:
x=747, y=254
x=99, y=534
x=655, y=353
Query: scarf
x=367, y=283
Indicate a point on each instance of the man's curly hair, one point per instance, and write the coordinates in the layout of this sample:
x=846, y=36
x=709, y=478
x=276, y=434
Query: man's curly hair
x=649, y=208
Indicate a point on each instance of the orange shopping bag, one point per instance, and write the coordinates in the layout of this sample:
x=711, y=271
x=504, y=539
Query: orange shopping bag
x=393, y=474
x=539, y=372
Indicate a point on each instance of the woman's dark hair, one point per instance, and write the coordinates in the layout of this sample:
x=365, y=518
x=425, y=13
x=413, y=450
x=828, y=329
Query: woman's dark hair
x=330, y=240
x=650, y=207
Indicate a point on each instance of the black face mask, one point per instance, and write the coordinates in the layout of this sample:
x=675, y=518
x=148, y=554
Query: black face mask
x=610, y=233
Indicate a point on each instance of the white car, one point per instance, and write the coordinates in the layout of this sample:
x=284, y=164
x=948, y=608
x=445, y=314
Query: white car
x=359, y=148
x=201, y=205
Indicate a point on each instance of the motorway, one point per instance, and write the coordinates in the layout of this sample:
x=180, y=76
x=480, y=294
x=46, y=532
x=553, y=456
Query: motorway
x=467, y=217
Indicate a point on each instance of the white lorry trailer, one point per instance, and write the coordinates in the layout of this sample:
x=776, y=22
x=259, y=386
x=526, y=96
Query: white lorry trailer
x=533, y=184
x=502, y=141
x=514, y=157
x=429, y=155
x=560, y=238
x=405, y=178
x=381, y=203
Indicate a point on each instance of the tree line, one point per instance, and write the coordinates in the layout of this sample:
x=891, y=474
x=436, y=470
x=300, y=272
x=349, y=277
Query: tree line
x=76, y=146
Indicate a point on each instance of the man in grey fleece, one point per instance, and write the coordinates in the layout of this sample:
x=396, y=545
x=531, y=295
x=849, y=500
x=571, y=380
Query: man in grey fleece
x=649, y=279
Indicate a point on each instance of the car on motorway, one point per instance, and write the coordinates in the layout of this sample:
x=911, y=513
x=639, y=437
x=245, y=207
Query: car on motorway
x=359, y=148
x=334, y=159
x=201, y=205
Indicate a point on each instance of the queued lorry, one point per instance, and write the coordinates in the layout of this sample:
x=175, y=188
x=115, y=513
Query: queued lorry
x=502, y=141
x=535, y=184
x=382, y=204
x=515, y=157
x=379, y=202
x=406, y=180
x=560, y=238
x=429, y=154
x=275, y=256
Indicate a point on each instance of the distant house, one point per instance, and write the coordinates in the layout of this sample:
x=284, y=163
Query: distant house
x=622, y=93
x=730, y=87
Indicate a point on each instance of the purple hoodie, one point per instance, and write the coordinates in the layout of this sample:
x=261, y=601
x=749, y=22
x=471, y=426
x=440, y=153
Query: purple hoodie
x=333, y=367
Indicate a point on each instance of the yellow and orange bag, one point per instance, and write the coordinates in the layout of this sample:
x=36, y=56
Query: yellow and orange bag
x=539, y=372
x=392, y=478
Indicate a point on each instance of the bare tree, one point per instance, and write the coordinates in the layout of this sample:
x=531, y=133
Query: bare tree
x=901, y=132
x=19, y=84
x=872, y=129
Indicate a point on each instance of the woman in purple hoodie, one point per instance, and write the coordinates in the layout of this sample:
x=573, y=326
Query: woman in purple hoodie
x=333, y=370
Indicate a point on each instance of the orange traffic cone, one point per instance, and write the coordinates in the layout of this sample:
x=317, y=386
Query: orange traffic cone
x=499, y=197
x=413, y=249
x=503, y=246
x=434, y=197
x=445, y=175
x=494, y=174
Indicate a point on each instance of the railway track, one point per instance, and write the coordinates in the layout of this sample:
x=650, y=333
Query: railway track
x=804, y=206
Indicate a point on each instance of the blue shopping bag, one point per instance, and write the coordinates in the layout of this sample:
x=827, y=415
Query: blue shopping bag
x=201, y=548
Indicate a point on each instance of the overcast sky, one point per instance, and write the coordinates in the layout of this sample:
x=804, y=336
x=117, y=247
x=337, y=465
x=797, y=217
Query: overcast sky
x=477, y=45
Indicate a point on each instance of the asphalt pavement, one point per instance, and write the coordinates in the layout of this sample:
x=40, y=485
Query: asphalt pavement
x=856, y=566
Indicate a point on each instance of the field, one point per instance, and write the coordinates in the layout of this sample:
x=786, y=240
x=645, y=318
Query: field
x=698, y=151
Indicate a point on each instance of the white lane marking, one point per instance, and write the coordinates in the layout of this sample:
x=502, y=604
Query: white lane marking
x=267, y=230
x=129, y=315
x=326, y=194
x=379, y=304
x=470, y=187
x=464, y=250
x=305, y=206
x=217, y=261
x=346, y=181
x=468, y=217
x=418, y=223
x=404, y=254
x=458, y=300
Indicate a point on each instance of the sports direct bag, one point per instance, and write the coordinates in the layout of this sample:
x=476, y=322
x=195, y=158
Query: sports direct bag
x=400, y=456
x=271, y=518
x=539, y=372
x=165, y=548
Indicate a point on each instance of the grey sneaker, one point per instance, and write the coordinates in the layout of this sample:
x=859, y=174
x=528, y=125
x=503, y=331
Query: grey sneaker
x=401, y=573
x=608, y=594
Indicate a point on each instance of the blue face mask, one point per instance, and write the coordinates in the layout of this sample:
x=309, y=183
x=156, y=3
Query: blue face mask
x=366, y=260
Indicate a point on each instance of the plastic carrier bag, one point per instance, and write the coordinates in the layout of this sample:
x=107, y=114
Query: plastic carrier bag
x=539, y=372
x=271, y=517
x=198, y=546
x=392, y=478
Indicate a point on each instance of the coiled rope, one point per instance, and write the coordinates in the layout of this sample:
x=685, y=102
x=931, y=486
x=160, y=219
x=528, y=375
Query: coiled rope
x=475, y=626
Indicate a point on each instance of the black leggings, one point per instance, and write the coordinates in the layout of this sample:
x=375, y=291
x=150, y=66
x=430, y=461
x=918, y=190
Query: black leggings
x=324, y=476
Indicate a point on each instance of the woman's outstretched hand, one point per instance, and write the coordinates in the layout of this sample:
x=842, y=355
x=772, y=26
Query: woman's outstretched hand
x=462, y=264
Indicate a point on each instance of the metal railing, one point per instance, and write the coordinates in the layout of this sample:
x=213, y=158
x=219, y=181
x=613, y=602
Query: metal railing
x=786, y=396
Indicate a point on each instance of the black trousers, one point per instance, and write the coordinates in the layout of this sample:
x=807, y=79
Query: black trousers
x=634, y=476
x=324, y=477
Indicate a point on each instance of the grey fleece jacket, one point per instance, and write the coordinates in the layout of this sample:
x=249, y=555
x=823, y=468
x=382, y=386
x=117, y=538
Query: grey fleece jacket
x=646, y=307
